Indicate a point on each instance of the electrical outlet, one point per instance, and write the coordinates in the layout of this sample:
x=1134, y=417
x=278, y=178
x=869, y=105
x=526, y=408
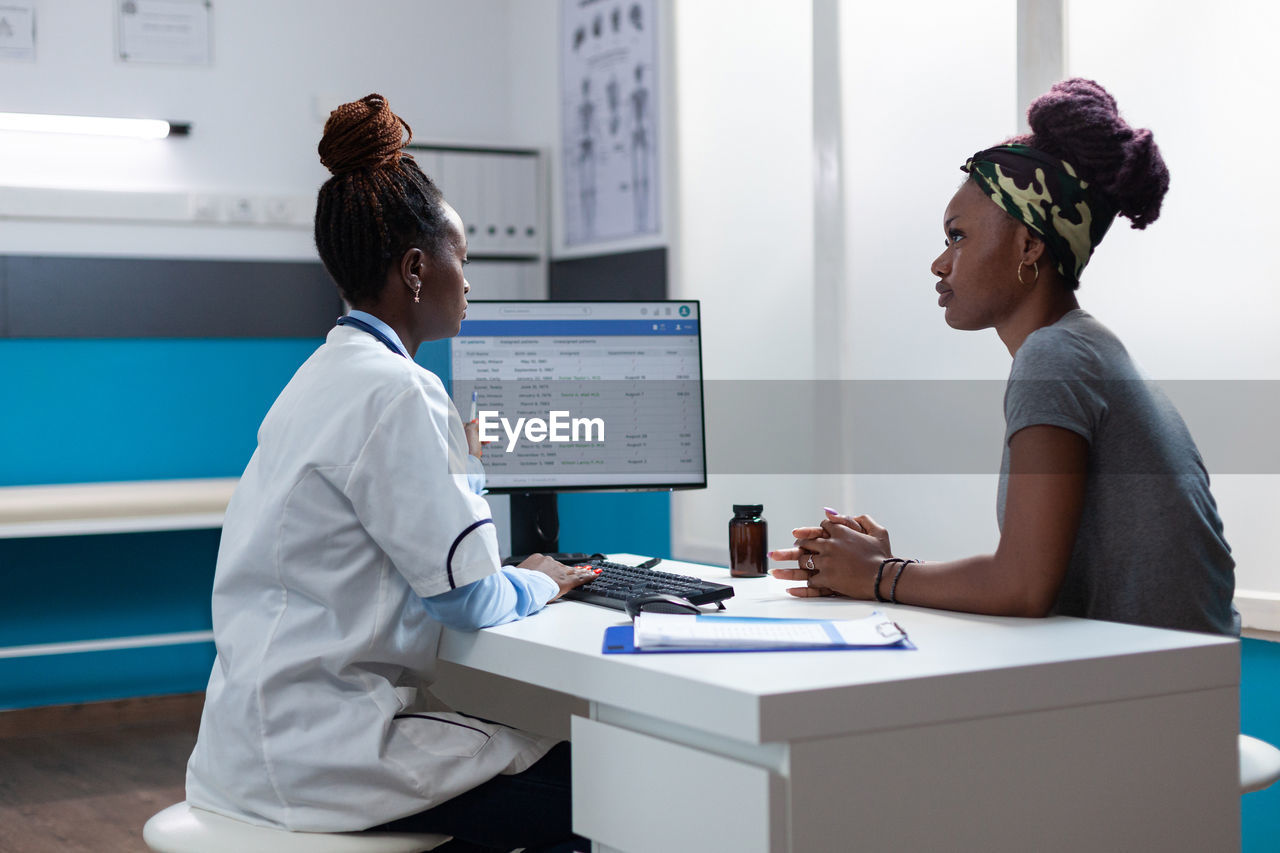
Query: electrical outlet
x=242, y=208
x=206, y=208
x=277, y=210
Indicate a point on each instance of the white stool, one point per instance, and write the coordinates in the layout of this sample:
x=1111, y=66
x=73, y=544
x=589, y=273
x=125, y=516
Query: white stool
x=1259, y=764
x=184, y=829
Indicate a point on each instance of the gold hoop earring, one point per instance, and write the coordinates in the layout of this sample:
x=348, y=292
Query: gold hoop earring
x=1035, y=269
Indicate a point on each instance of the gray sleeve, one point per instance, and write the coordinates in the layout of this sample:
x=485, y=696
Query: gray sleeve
x=1053, y=383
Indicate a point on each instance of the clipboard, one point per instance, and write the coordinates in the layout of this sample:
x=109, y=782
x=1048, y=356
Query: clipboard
x=620, y=640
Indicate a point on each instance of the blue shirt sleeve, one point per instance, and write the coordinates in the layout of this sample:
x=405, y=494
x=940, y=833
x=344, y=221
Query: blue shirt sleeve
x=475, y=474
x=511, y=594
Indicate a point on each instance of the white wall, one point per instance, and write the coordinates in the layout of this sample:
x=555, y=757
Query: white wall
x=533, y=78
x=256, y=113
x=925, y=85
x=1194, y=296
x=744, y=241
x=914, y=107
x=1187, y=294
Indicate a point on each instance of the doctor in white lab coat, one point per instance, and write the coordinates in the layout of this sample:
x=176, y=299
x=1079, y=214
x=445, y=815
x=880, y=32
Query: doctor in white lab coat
x=354, y=535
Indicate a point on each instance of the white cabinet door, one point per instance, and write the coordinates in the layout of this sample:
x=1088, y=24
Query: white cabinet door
x=641, y=794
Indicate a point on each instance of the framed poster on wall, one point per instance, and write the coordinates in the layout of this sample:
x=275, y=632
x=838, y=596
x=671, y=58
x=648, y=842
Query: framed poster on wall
x=609, y=120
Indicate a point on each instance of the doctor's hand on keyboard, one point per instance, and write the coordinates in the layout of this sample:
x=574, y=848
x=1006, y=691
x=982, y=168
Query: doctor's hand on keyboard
x=567, y=577
x=619, y=585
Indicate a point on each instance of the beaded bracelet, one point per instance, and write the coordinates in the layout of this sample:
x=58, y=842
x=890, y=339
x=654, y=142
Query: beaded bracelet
x=893, y=587
x=880, y=575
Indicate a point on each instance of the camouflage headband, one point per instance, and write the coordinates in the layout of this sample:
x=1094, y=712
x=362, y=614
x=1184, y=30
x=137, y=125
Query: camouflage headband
x=1045, y=194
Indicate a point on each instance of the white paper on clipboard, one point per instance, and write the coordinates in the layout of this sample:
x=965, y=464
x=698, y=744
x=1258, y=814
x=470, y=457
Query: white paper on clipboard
x=676, y=631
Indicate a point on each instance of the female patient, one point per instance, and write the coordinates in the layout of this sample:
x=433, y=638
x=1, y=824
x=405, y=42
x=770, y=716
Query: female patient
x=1104, y=502
x=353, y=536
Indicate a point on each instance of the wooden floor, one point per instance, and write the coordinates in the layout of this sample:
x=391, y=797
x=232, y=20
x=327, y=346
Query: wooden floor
x=83, y=778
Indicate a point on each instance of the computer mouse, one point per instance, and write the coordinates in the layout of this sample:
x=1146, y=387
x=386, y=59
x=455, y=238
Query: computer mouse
x=660, y=602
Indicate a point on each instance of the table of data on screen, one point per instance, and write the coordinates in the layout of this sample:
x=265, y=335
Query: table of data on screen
x=620, y=398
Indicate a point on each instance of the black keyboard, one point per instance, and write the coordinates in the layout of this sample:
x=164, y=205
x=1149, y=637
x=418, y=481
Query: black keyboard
x=617, y=583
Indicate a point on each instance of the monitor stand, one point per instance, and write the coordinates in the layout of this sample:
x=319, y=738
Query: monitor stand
x=535, y=523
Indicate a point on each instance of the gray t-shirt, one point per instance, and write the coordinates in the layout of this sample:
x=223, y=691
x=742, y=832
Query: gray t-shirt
x=1150, y=548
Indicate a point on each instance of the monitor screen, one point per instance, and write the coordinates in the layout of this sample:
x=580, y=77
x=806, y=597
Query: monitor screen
x=583, y=395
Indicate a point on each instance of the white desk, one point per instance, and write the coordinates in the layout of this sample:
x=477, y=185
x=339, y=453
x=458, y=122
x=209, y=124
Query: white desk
x=995, y=735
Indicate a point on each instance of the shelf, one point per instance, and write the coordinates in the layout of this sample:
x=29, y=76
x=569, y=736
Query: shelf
x=127, y=507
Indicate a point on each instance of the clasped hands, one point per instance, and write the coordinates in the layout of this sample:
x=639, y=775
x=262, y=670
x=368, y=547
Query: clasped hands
x=838, y=557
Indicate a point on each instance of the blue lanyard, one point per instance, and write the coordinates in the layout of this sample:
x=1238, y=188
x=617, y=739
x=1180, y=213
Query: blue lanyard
x=363, y=326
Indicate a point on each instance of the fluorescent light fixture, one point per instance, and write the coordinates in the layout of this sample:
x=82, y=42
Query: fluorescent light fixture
x=134, y=128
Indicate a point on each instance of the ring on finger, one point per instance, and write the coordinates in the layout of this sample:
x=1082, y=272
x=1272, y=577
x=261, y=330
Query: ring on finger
x=810, y=566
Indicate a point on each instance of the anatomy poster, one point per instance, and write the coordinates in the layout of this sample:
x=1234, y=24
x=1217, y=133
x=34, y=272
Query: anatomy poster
x=609, y=109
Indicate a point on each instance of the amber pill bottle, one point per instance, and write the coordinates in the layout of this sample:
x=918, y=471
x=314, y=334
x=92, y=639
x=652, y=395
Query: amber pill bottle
x=748, y=541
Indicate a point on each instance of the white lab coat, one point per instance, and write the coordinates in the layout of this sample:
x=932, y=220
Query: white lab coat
x=353, y=506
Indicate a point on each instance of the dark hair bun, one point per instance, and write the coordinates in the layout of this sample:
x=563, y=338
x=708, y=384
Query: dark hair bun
x=1078, y=121
x=363, y=134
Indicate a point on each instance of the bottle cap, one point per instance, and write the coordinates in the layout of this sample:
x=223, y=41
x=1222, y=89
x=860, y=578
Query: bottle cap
x=748, y=509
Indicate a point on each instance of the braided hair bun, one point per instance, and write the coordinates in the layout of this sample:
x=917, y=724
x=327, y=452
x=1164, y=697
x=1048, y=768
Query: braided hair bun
x=363, y=134
x=1078, y=121
x=378, y=204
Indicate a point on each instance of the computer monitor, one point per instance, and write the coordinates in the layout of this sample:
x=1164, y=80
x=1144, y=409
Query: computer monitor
x=584, y=395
